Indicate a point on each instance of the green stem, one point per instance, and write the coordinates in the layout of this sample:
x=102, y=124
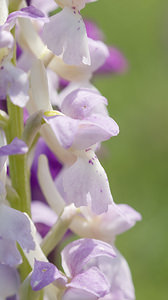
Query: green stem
x=57, y=232
x=19, y=172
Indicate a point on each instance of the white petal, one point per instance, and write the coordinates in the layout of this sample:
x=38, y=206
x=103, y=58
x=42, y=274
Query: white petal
x=48, y=187
x=39, y=87
x=37, y=253
x=29, y=38
x=3, y=11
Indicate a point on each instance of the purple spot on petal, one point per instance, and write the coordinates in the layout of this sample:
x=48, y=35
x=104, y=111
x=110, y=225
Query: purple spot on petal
x=90, y=162
x=87, y=149
x=101, y=191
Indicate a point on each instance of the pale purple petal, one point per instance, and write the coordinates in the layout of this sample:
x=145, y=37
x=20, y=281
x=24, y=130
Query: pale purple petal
x=76, y=294
x=77, y=254
x=29, y=12
x=92, y=281
x=86, y=183
x=99, y=54
x=9, y=281
x=9, y=253
x=45, y=6
x=118, y=274
x=17, y=85
x=105, y=227
x=6, y=39
x=45, y=273
x=118, y=219
x=95, y=129
x=64, y=128
x=42, y=213
x=4, y=82
x=68, y=38
x=15, y=226
x=43, y=216
x=17, y=146
x=80, y=103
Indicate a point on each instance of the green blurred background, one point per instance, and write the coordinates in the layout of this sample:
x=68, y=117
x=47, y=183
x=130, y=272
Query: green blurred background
x=136, y=160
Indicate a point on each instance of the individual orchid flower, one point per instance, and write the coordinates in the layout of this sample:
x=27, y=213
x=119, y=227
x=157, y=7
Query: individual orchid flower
x=70, y=40
x=78, y=127
x=30, y=41
x=79, y=281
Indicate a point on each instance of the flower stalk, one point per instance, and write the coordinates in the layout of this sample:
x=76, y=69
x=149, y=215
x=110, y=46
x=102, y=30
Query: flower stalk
x=19, y=172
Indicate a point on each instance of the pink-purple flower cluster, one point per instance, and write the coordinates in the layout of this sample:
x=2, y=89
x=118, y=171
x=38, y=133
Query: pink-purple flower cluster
x=52, y=123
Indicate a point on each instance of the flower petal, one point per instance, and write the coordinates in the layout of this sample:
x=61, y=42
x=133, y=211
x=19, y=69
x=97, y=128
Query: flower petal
x=45, y=6
x=92, y=281
x=85, y=183
x=39, y=88
x=77, y=254
x=9, y=281
x=15, y=226
x=17, y=84
x=80, y=103
x=64, y=128
x=29, y=12
x=3, y=11
x=42, y=213
x=45, y=273
x=17, y=146
x=9, y=253
x=67, y=38
x=118, y=274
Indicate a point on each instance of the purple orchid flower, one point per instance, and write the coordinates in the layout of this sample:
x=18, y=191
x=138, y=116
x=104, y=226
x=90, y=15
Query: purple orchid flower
x=70, y=40
x=82, y=123
x=78, y=282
